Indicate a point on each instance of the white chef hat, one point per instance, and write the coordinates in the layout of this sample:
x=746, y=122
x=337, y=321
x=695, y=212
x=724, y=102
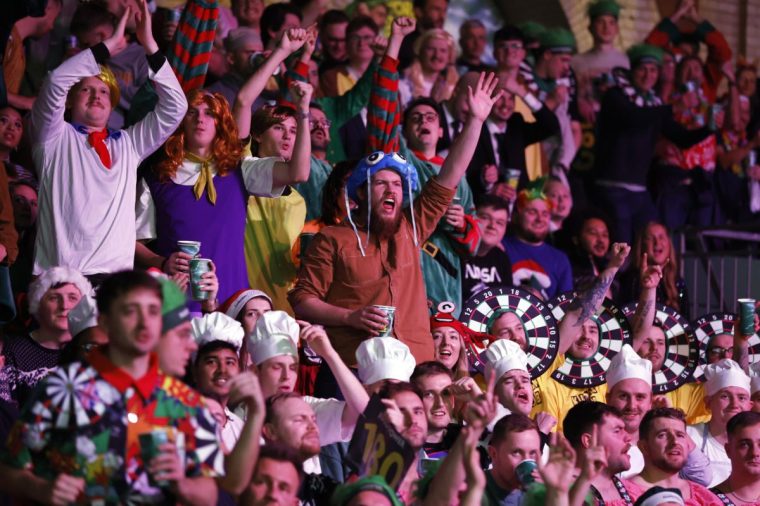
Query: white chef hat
x=276, y=333
x=503, y=356
x=83, y=316
x=217, y=327
x=382, y=358
x=627, y=364
x=52, y=277
x=724, y=374
x=754, y=377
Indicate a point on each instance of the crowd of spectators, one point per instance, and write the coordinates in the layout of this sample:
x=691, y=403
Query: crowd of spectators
x=281, y=253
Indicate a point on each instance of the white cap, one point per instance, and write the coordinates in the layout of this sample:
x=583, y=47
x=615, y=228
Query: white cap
x=383, y=358
x=724, y=374
x=754, y=377
x=627, y=364
x=52, y=277
x=503, y=356
x=276, y=333
x=83, y=316
x=217, y=327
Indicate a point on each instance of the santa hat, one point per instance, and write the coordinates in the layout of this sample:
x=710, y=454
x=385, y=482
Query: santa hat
x=754, y=378
x=52, y=277
x=724, y=374
x=382, y=358
x=503, y=356
x=237, y=301
x=627, y=364
x=276, y=333
x=217, y=327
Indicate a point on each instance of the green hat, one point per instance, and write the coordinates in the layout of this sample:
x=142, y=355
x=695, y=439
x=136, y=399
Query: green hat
x=531, y=30
x=603, y=7
x=557, y=40
x=644, y=53
x=347, y=491
x=174, y=308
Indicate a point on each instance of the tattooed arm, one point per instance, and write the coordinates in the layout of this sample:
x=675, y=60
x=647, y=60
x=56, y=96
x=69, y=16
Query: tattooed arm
x=643, y=319
x=589, y=302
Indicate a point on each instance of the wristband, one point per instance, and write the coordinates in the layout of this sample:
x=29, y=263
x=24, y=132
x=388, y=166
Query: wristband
x=303, y=115
x=532, y=102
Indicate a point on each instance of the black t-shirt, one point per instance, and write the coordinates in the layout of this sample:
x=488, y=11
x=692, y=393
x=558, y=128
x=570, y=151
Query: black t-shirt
x=316, y=490
x=26, y=363
x=478, y=273
x=440, y=450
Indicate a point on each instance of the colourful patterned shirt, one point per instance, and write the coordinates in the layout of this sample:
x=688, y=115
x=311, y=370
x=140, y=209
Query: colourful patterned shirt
x=84, y=419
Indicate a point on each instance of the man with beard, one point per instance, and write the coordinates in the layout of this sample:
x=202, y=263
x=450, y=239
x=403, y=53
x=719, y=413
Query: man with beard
x=629, y=390
x=291, y=422
x=743, y=448
x=533, y=260
x=311, y=190
x=664, y=444
x=650, y=341
x=406, y=412
x=219, y=338
x=597, y=433
x=374, y=257
x=727, y=393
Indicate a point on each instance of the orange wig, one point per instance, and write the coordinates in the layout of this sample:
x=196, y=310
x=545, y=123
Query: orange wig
x=226, y=150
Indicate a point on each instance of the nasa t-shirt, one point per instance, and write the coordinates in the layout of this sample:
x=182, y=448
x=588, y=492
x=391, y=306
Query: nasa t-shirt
x=481, y=272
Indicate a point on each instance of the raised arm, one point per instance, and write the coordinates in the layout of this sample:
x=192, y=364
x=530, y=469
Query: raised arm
x=150, y=132
x=291, y=41
x=480, y=101
x=241, y=461
x=643, y=319
x=353, y=391
x=589, y=302
x=296, y=170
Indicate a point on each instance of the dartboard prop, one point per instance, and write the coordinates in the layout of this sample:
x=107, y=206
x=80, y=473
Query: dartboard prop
x=713, y=324
x=682, y=352
x=614, y=332
x=537, y=320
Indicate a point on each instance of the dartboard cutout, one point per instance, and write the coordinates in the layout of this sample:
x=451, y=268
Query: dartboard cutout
x=713, y=324
x=682, y=354
x=614, y=332
x=537, y=320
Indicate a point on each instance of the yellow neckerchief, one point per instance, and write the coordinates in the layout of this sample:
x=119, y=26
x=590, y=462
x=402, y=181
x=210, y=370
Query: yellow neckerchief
x=205, y=178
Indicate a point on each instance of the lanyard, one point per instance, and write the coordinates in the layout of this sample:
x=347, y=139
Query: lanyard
x=723, y=497
x=620, y=488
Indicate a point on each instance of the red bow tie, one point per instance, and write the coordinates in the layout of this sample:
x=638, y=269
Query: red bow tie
x=97, y=141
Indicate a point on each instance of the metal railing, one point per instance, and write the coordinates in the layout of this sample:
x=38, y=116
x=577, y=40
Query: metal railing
x=720, y=265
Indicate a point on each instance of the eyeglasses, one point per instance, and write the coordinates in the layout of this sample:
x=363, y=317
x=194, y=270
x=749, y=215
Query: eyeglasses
x=314, y=124
x=720, y=352
x=428, y=117
x=510, y=45
x=361, y=38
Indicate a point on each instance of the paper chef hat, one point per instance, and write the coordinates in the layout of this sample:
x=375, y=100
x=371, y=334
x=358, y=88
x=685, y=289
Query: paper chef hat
x=276, y=333
x=382, y=358
x=724, y=374
x=83, y=316
x=503, y=356
x=628, y=365
x=754, y=376
x=217, y=327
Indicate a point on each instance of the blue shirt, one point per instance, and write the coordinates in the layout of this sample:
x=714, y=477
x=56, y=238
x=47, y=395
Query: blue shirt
x=543, y=267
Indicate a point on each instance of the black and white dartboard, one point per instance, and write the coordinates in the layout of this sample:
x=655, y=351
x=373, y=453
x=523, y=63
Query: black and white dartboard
x=682, y=348
x=484, y=307
x=614, y=332
x=713, y=324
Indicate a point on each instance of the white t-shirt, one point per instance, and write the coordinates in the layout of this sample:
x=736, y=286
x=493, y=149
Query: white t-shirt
x=87, y=211
x=713, y=450
x=232, y=428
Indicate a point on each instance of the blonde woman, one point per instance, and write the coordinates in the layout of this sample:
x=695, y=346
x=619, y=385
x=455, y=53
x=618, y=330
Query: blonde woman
x=432, y=73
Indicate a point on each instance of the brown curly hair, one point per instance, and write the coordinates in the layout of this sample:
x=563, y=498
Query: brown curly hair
x=226, y=149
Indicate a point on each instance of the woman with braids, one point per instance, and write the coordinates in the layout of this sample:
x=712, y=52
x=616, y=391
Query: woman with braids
x=653, y=246
x=197, y=187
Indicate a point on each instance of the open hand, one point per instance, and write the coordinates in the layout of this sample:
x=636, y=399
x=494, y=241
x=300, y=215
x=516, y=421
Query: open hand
x=481, y=99
x=117, y=41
